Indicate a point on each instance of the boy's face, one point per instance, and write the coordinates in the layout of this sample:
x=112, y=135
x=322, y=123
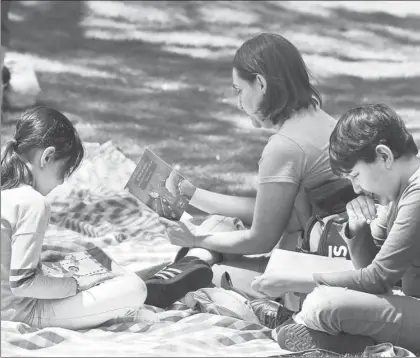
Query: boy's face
x=374, y=179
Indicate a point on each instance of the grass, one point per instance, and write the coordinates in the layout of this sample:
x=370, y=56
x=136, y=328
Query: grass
x=158, y=73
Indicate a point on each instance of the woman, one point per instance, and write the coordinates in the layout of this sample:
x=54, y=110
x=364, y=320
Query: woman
x=373, y=149
x=274, y=90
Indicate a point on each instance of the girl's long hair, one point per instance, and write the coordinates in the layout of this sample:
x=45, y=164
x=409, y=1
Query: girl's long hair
x=14, y=171
x=39, y=128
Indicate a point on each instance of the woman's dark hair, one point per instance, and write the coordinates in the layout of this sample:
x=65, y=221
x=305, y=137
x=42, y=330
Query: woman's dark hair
x=361, y=129
x=282, y=66
x=39, y=127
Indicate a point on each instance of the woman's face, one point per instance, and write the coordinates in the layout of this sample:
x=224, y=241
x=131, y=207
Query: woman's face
x=250, y=96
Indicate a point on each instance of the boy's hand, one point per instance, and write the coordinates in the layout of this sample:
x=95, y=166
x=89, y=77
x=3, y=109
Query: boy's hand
x=361, y=211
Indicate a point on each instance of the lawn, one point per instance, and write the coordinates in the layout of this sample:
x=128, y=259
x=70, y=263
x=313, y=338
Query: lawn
x=158, y=73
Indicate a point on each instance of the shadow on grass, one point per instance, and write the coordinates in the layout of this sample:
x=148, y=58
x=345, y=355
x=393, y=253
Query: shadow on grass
x=158, y=74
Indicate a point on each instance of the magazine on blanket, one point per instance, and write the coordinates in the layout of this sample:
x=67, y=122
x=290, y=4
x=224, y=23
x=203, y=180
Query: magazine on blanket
x=159, y=186
x=85, y=263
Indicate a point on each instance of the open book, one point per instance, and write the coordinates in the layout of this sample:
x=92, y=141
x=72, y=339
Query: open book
x=156, y=184
x=85, y=263
x=291, y=271
x=286, y=262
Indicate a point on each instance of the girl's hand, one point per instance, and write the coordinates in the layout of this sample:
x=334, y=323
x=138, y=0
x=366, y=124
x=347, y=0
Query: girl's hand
x=52, y=255
x=178, y=233
x=86, y=282
x=361, y=211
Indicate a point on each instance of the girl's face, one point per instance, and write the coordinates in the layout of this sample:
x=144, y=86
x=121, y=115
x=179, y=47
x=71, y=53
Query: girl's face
x=47, y=172
x=250, y=96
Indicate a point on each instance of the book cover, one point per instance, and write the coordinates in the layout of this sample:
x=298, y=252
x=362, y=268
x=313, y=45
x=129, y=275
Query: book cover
x=156, y=184
x=85, y=263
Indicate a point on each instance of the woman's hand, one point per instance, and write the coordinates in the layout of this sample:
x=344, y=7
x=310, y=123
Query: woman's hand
x=86, y=282
x=178, y=232
x=361, y=211
x=277, y=284
x=186, y=188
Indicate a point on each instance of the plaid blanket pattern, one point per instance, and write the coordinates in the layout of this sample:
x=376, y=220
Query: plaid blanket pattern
x=93, y=209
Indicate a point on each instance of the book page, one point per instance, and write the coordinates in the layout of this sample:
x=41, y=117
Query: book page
x=289, y=271
x=289, y=262
x=156, y=184
x=78, y=264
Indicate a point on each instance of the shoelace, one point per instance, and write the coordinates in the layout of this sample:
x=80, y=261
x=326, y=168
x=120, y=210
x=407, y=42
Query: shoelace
x=283, y=314
x=271, y=314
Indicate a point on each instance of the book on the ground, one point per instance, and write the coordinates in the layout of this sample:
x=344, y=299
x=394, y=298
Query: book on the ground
x=159, y=186
x=93, y=261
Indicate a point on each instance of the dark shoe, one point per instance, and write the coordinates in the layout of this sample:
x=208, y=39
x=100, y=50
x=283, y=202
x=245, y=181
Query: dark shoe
x=5, y=74
x=270, y=313
x=297, y=337
x=181, y=253
x=177, y=279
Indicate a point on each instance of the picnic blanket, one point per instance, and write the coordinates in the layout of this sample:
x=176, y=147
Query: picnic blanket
x=93, y=208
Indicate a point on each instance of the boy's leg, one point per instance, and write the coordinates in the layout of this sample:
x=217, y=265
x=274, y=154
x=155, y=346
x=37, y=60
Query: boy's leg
x=384, y=318
x=113, y=299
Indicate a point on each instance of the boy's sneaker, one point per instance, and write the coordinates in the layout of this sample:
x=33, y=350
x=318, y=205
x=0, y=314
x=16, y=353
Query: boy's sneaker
x=270, y=313
x=177, y=279
x=297, y=337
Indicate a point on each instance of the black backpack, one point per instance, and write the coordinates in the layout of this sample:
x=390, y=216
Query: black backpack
x=321, y=235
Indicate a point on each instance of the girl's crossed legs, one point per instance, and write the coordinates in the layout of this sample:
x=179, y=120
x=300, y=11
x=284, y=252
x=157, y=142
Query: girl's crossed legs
x=119, y=297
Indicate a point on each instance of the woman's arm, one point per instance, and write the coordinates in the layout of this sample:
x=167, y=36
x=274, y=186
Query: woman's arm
x=273, y=207
x=226, y=205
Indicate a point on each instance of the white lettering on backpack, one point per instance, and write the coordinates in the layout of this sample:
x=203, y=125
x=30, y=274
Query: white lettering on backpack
x=337, y=251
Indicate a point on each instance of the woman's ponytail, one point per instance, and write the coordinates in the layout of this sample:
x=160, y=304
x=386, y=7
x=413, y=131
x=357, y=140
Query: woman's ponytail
x=14, y=171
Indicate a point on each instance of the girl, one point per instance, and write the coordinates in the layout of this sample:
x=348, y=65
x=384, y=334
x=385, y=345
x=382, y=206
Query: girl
x=44, y=151
x=274, y=90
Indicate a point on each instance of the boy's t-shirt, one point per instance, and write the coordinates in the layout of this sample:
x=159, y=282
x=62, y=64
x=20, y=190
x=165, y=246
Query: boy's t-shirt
x=25, y=215
x=378, y=270
x=298, y=153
